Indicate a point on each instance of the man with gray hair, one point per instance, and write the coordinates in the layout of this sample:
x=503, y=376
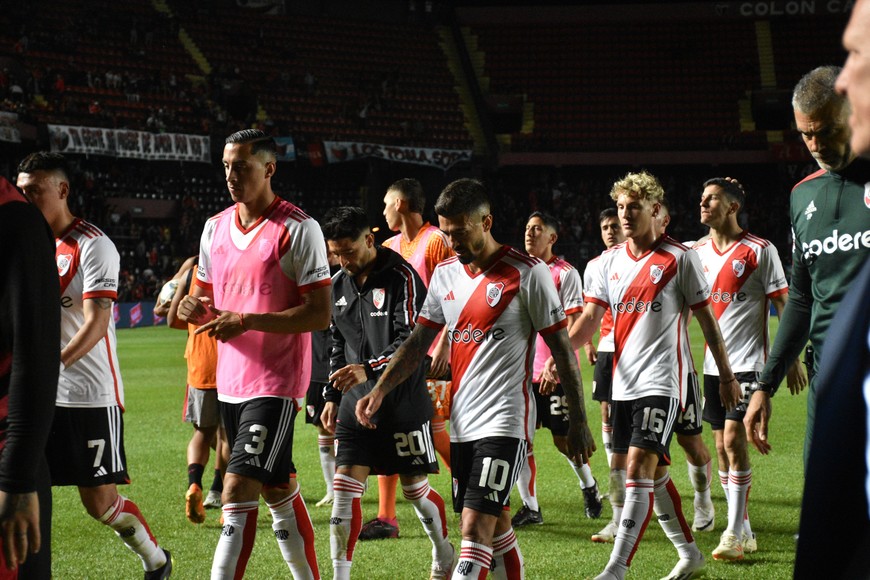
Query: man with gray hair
x=830, y=219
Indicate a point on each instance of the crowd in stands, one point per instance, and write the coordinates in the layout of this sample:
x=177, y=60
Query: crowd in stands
x=152, y=248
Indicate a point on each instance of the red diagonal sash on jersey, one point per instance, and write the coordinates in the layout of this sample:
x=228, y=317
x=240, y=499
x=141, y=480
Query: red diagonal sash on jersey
x=479, y=315
x=736, y=270
x=655, y=273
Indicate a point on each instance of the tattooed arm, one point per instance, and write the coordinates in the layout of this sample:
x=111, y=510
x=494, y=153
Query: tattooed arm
x=405, y=361
x=98, y=312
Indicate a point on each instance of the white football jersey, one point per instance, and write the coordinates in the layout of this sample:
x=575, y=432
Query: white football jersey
x=88, y=265
x=570, y=290
x=743, y=278
x=650, y=296
x=605, y=336
x=492, y=318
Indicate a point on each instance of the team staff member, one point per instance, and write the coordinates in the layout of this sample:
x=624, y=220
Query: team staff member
x=830, y=218
x=376, y=298
x=86, y=446
x=491, y=298
x=262, y=286
x=29, y=362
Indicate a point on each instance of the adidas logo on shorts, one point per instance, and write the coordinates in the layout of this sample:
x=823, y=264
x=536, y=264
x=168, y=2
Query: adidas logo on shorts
x=101, y=472
x=493, y=496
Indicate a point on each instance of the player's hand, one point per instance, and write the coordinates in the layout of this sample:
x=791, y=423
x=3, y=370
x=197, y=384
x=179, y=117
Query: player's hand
x=547, y=387
x=368, y=406
x=591, y=353
x=581, y=444
x=550, y=373
x=729, y=393
x=440, y=360
x=344, y=379
x=735, y=182
x=19, y=524
x=225, y=326
x=796, y=378
x=162, y=308
x=757, y=419
x=195, y=310
x=327, y=417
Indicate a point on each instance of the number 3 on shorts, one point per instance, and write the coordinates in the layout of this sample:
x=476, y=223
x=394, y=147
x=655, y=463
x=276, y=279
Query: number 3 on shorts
x=258, y=438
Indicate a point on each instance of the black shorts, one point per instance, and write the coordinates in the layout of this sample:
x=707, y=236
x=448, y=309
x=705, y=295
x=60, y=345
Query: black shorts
x=495, y=461
x=602, y=377
x=689, y=419
x=314, y=403
x=714, y=412
x=389, y=449
x=647, y=423
x=86, y=447
x=552, y=410
x=260, y=435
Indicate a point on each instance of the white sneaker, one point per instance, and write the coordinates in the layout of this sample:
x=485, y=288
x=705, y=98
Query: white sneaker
x=443, y=569
x=686, y=568
x=212, y=500
x=750, y=544
x=730, y=547
x=607, y=534
x=705, y=518
x=608, y=575
x=326, y=500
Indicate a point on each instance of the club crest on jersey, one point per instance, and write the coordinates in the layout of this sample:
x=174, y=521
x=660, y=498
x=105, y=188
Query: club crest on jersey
x=63, y=264
x=265, y=249
x=738, y=267
x=493, y=293
x=655, y=273
x=378, y=297
x=867, y=195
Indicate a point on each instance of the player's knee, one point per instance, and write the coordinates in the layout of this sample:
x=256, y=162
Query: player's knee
x=695, y=449
x=238, y=488
x=98, y=500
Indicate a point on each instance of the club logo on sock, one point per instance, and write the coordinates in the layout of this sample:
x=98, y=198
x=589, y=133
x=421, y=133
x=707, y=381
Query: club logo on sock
x=228, y=530
x=334, y=521
x=628, y=524
x=664, y=517
x=127, y=532
x=282, y=535
x=464, y=568
x=426, y=521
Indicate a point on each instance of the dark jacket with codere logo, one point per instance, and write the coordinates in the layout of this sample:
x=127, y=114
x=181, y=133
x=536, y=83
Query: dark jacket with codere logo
x=830, y=218
x=368, y=325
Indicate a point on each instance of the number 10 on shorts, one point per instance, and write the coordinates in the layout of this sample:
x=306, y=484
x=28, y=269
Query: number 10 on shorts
x=494, y=474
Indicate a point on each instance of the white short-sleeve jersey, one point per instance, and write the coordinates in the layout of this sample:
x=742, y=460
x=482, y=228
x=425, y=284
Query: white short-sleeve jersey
x=743, y=278
x=605, y=336
x=492, y=318
x=650, y=296
x=88, y=265
x=570, y=289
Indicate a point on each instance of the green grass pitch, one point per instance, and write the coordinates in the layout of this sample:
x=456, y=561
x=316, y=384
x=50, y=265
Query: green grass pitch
x=154, y=373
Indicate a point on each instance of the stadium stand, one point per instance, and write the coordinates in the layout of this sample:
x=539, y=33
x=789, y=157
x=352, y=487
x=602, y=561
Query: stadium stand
x=678, y=80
